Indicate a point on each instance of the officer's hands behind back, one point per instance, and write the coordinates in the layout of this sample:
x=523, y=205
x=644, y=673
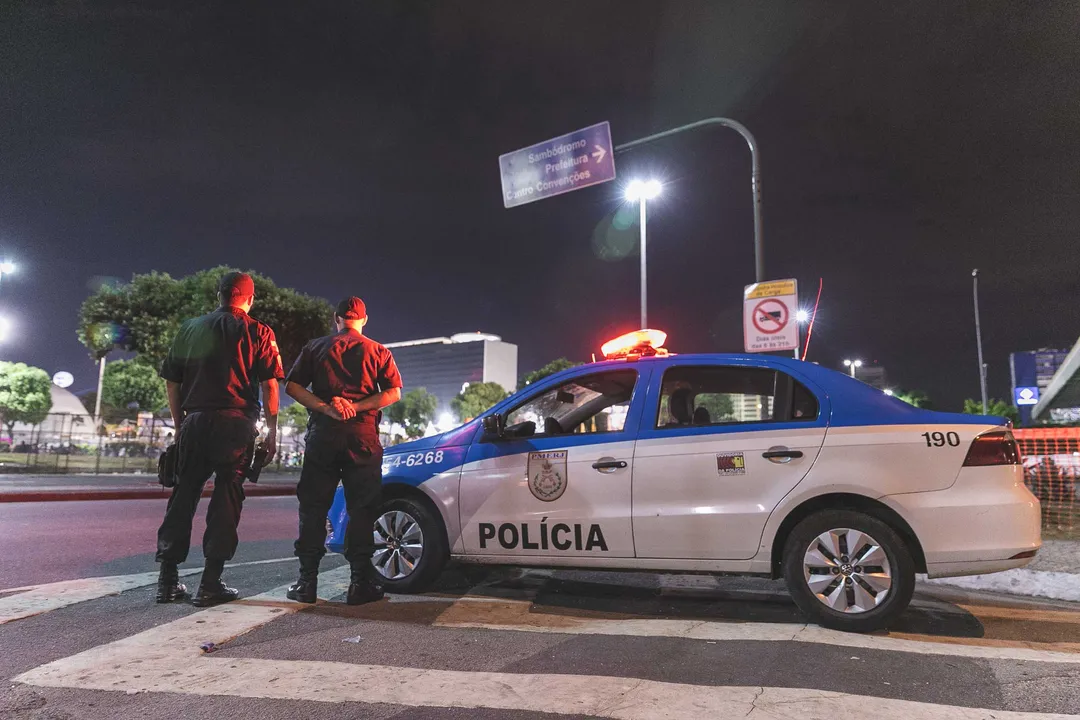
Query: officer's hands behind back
x=344, y=408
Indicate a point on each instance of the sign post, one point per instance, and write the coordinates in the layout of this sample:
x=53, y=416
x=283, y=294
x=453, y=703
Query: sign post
x=769, y=316
x=556, y=166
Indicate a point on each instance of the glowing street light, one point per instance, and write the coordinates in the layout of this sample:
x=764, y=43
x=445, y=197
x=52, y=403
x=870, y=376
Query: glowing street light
x=889, y=392
x=641, y=191
x=6, y=267
x=802, y=316
x=852, y=364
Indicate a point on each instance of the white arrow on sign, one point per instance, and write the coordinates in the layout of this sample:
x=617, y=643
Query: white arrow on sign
x=599, y=154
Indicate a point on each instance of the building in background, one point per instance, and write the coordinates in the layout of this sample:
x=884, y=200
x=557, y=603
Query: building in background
x=444, y=365
x=873, y=375
x=1031, y=372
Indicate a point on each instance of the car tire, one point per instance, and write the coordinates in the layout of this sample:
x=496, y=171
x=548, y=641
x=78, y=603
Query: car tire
x=397, y=521
x=845, y=592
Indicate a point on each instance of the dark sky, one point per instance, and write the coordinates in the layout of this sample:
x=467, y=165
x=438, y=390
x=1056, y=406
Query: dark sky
x=351, y=147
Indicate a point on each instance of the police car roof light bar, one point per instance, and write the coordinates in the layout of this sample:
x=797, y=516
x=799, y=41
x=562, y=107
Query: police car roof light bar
x=640, y=343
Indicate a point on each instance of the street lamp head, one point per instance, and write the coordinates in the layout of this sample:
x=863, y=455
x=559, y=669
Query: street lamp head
x=643, y=190
x=801, y=316
x=858, y=363
x=7, y=268
x=847, y=363
x=888, y=391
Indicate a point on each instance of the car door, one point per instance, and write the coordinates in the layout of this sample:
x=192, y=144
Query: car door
x=719, y=446
x=557, y=481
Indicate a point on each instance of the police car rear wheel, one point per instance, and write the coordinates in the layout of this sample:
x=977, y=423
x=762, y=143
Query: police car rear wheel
x=848, y=570
x=410, y=546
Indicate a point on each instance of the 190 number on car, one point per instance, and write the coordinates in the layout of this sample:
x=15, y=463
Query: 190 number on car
x=941, y=439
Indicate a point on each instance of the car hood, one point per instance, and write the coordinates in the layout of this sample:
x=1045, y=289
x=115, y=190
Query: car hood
x=451, y=438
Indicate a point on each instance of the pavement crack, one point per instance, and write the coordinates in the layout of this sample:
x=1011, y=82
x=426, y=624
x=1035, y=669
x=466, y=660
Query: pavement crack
x=753, y=703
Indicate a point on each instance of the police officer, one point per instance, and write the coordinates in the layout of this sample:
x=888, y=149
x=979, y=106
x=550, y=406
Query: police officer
x=351, y=378
x=213, y=374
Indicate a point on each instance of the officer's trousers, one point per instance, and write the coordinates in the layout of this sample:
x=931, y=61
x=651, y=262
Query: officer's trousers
x=354, y=457
x=218, y=443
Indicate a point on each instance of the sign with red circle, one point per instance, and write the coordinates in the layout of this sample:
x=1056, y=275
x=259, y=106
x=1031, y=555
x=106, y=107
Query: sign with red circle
x=769, y=316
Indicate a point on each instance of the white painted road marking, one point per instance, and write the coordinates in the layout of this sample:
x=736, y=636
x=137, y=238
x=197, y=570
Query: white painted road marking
x=168, y=659
x=36, y=599
x=775, y=632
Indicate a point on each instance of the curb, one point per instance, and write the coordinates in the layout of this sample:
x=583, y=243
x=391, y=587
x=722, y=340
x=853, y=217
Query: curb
x=250, y=490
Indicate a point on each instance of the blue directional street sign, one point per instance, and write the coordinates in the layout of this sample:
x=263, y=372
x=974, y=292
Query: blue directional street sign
x=1026, y=396
x=559, y=165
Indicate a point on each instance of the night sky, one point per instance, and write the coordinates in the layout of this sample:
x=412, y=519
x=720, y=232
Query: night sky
x=352, y=148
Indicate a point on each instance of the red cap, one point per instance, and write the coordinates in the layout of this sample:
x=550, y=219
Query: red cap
x=236, y=283
x=351, y=308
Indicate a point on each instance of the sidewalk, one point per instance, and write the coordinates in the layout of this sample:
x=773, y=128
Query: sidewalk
x=1054, y=573
x=46, y=488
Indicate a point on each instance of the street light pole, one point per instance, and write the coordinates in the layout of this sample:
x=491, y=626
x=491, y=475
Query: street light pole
x=641, y=191
x=755, y=176
x=644, y=286
x=978, y=338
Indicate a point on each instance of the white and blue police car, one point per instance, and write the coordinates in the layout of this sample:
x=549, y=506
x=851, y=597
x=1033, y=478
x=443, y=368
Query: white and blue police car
x=711, y=463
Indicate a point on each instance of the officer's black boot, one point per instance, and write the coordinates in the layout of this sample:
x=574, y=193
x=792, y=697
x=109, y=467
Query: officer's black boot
x=168, y=583
x=363, y=588
x=211, y=590
x=306, y=588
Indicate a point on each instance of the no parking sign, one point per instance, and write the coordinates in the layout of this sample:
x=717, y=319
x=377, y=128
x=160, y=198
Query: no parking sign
x=769, y=316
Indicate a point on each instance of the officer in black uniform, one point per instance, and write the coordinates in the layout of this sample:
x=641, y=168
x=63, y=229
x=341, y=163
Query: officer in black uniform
x=213, y=373
x=352, y=378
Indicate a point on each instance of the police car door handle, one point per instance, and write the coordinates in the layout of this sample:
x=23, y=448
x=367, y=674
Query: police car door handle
x=781, y=454
x=608, y=465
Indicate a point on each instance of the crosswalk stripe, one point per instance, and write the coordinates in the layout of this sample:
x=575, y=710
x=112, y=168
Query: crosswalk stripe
x=37, y=599
x=167, y=659
x=518, y=617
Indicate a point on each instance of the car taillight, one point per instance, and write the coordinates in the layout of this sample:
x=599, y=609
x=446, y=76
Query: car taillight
x=993, y=448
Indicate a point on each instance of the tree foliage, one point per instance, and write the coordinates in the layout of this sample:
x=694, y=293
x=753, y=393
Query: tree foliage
x=720, y=406
x=295, y=415
x=475, y=399
x=25, y=394
x=143, y=315
x=998, y=408
x=130, y=383
x=414, y=412
x=551, y=368
x=914, y=397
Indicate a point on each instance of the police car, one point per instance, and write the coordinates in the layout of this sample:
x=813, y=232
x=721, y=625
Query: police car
x=711, y=463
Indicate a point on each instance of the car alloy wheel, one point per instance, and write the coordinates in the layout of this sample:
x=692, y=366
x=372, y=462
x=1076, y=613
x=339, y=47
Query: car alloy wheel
x=847, y=570
x=399, y=544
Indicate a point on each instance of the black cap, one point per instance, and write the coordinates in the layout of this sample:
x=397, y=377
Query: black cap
x=236, y=283
x=351, y=308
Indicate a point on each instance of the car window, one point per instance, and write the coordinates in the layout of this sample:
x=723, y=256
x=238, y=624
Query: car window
x=590, y=404
x=721, y=395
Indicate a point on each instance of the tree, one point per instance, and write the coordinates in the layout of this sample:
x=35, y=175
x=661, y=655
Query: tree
x=550, y=369
x=475, y=399
x=998, y=408
x=25, y=394
x=914, y=397
x=130, y=382
x=143, y=316
x=295, y=415
x=414, y=412
x=719, y=406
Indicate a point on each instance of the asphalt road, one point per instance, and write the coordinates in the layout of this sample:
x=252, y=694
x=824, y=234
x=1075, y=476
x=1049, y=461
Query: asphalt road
x=486, y=644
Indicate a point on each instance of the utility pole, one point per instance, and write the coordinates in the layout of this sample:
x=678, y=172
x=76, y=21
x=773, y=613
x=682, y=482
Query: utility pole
x=978, y=339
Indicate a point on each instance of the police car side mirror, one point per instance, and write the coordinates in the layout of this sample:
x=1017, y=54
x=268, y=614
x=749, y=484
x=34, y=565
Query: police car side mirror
x=494, y=425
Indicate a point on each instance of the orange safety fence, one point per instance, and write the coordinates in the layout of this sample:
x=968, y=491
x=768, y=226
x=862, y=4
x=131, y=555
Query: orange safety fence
x=1051, y=460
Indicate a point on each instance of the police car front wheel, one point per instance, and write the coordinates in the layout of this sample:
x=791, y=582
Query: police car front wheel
x=410, y=546
x=848, y=570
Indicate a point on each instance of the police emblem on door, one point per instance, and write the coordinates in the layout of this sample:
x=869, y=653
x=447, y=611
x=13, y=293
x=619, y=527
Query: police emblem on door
x=547, y=474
